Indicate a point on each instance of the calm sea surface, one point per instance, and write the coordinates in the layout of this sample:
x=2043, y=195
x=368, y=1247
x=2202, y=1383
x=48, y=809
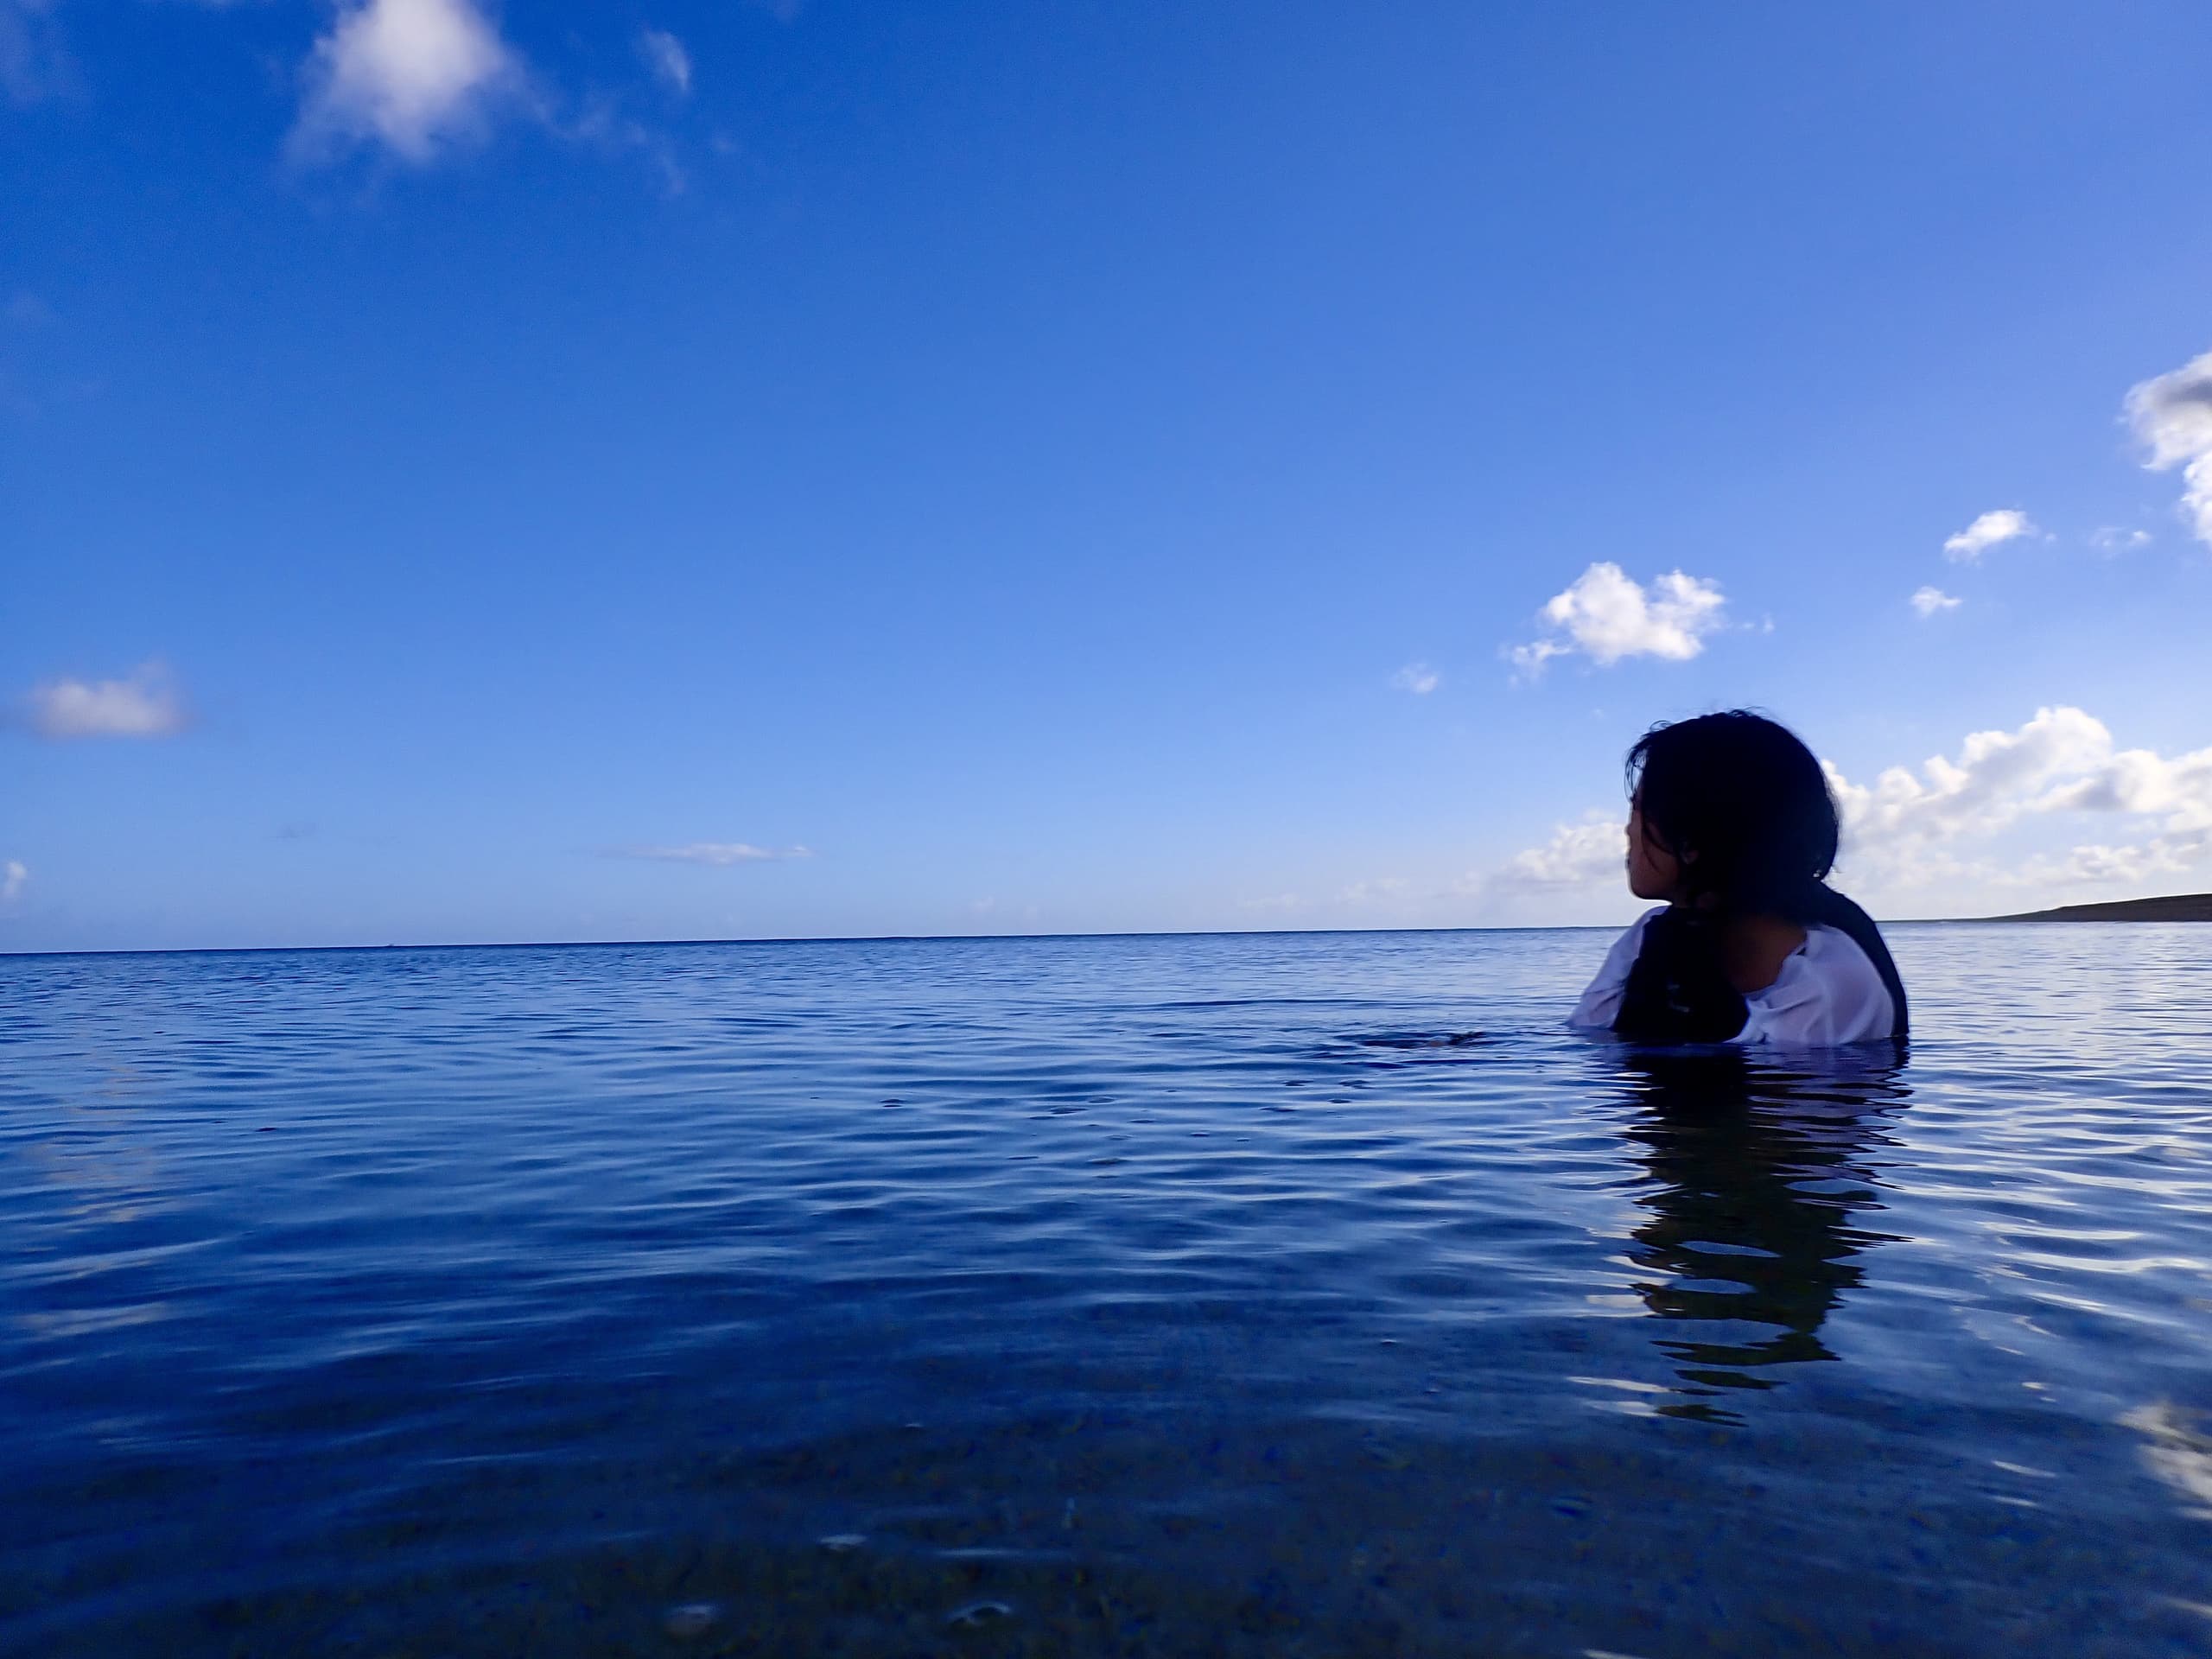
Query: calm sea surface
x=1170, y=1295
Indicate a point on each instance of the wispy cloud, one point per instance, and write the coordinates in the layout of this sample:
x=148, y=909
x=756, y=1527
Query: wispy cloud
x=34, y=64
x=12, y=876
x=2108, y=539
x=665, y=56
x=711, y=852
x=412, y=75
x=1929, y=600
x=2172, y=415
x=147, y=704
x=1606, y=615
x=2005, y=524
x=602, y=122
x=1417, y=677
x=1379, y=889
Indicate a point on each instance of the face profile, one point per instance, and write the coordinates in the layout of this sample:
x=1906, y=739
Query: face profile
x=1653, y=872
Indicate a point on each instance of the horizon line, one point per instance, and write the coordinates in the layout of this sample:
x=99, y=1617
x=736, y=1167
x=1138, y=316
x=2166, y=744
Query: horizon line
x=878, y=939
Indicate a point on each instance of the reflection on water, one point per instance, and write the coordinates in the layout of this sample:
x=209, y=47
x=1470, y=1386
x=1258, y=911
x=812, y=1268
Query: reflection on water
x=1267, y=1296
x=2178, y=1451
x=1762, y=1177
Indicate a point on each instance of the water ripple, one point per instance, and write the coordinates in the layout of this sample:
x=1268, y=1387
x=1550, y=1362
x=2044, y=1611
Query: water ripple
x=1267, y=1293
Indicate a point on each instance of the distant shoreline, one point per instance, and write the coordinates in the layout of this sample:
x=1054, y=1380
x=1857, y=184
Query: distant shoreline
x=2178, y=907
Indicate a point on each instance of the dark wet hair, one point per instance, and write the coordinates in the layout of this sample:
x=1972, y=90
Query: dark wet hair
x=1746, y=807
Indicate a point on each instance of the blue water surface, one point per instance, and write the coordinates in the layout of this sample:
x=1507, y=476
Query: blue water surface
x=1294, y=1294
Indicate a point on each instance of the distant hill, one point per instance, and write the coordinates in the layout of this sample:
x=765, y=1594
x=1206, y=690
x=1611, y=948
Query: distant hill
x=2180, y=907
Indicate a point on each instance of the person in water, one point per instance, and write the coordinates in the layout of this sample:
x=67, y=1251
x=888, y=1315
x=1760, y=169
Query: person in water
x=1731, y=824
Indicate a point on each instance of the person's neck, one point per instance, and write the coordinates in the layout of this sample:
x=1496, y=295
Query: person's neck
x=1754, y=946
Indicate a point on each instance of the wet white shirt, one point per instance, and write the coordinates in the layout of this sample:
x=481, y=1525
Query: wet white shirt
x=1826, y=993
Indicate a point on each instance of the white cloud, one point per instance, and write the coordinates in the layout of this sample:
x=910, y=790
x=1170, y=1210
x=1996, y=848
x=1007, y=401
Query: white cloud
x=2005, y=525
x=2110, y=539
x=13, y=875
x=1606, y=615
x=1929, y=600
x=1576, y=856
x=1995, y=779
x=145, y=705
x=1417, y=677
x=410, y=74
x=2097, y=863
x=2172, y=415
x=2141, y=782
x=665, y=56
x=1372, y=891
x=2059, y=764
x=721, y=852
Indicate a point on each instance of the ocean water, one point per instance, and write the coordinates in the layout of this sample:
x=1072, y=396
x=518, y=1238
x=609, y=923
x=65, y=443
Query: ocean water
x=1307, y=1295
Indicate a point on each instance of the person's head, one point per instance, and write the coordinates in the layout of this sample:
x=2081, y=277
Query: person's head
x=1729, y=810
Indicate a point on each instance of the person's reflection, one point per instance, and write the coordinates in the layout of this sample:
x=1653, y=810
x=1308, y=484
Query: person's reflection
x=1756, y=1175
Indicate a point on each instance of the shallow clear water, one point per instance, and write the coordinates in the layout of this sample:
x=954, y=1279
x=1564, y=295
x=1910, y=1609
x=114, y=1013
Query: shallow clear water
x=1132, y=1296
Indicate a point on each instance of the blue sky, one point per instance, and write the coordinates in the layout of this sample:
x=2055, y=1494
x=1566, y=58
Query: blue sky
x=717, y=469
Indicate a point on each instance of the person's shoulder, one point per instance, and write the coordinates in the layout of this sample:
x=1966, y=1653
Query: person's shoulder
x=1837, y=957
x=1630, y=941
x=1828, y=992
x=1601, y=1000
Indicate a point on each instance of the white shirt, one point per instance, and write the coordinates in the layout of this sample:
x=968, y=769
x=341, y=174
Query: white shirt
x=1826, y=993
